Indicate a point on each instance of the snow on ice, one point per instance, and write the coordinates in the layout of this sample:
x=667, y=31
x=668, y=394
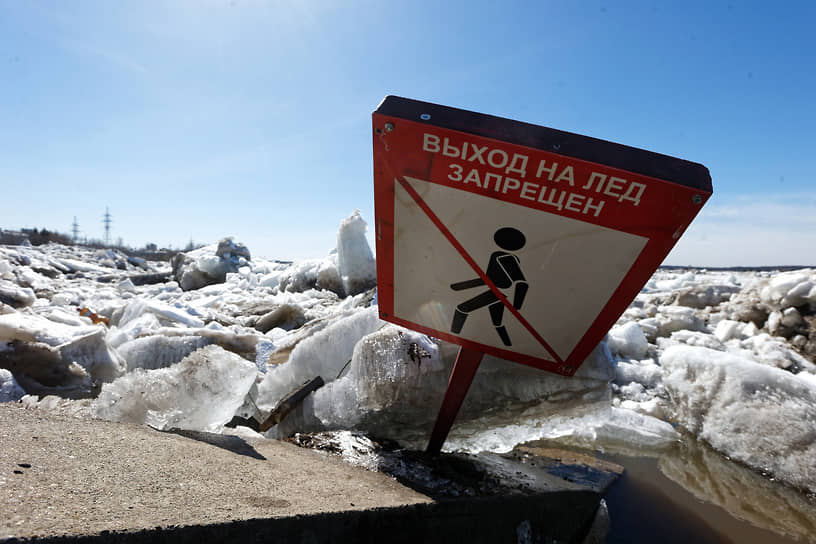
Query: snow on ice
x=724, y=357
x=760, y=415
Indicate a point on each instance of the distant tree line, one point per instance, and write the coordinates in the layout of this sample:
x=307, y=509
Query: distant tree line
x=37, y=237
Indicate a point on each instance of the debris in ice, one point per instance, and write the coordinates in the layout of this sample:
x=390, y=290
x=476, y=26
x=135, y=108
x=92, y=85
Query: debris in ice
x=759, y=415
x=288, y=403
x=323, y=354
x=202, y=392
x=93, y=316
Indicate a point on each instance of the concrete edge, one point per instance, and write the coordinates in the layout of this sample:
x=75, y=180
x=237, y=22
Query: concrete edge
x=563, y=516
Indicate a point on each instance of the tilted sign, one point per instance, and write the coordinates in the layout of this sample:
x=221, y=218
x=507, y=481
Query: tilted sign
x=514, y=239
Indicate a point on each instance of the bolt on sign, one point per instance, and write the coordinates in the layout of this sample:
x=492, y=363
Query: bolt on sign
x=518, y=240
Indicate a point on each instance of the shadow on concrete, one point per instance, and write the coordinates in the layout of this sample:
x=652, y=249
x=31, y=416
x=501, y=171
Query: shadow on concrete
x=234, y=444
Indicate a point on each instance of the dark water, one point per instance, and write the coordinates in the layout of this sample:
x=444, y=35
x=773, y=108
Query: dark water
x=695, y=495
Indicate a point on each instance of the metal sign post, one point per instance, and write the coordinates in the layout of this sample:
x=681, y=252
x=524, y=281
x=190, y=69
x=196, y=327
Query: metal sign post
x=464, y=369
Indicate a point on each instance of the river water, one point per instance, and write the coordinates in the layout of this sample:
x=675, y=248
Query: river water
x=694, y=494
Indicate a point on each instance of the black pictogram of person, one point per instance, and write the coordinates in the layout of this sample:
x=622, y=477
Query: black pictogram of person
x=504, y=271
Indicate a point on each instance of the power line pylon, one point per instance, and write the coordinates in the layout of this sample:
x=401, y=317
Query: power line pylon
x=107, y=221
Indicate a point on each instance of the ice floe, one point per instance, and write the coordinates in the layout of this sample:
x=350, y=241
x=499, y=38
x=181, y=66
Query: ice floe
x=726, y=357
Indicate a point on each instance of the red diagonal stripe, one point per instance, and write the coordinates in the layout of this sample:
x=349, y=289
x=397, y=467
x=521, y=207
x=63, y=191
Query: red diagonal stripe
x=465, y=255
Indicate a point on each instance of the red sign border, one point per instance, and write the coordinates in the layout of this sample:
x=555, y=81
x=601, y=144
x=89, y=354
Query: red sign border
x=660, y=241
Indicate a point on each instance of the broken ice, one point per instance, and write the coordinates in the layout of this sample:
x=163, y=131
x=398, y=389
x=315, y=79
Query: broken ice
x=726, y=357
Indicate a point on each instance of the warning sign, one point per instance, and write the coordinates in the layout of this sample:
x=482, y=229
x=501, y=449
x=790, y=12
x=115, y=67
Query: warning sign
x=488, y=237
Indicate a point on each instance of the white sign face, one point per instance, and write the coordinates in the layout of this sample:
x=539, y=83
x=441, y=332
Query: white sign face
x=557, y=272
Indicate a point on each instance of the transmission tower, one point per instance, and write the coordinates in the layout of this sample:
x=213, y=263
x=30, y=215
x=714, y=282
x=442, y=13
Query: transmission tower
x=107, y=222
x=75, y=231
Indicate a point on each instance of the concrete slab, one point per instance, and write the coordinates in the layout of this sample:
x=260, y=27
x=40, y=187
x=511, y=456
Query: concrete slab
x=69, y=478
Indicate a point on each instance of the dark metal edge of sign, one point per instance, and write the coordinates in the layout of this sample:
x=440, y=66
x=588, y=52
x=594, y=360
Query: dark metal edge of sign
x=632, y=159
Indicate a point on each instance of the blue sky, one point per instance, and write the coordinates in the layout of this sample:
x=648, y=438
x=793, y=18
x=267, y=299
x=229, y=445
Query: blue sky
x=201, y=119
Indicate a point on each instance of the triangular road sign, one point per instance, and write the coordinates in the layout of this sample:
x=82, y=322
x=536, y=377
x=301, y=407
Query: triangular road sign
x=518, y=240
